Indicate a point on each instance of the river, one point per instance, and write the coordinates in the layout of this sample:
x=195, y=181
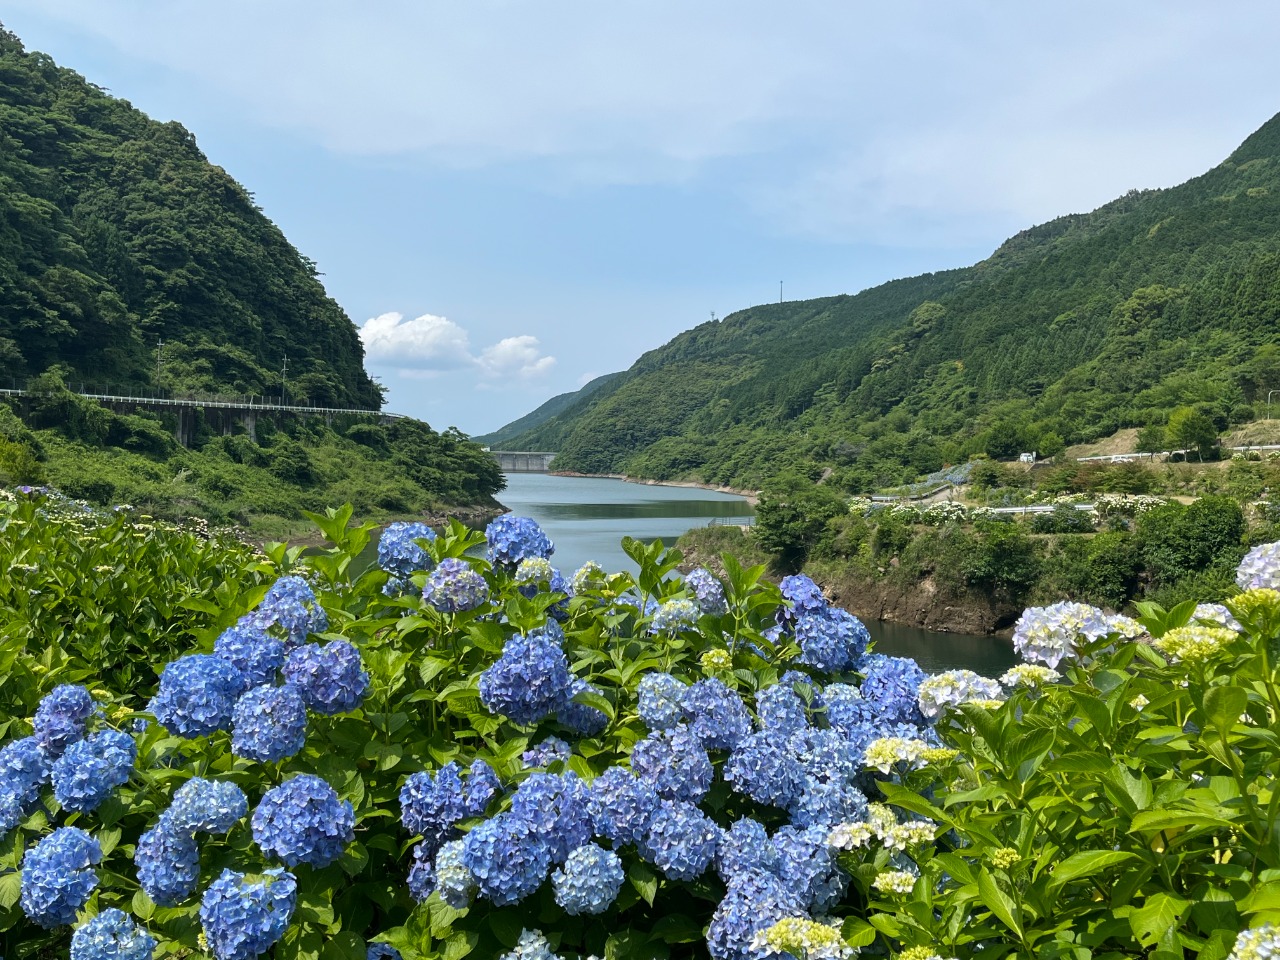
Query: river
x=587, y=517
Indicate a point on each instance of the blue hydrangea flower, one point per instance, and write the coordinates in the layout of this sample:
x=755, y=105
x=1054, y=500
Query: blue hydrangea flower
x=781, y=710
x=717, y=715
x=168, y=863
x=398, y=554
x=481, y=787
x=331, y=678
x=62, y=718
x=832, y=640
x=675, y=763
x=382, y=951
x=681, y=840
x=291, y=606
x=531, y=946
x=512, y=539
x=549, y=751
x=197, y=695
x=847, y=709
x=209, y=806
x=58, y=876
x=90, y=770
x=765, y=769
x=675, y=615
x=580, y=717
x=708, y=591
x=508, y=858
x=243, y=917
x=256, y=654
x=800, y=595
x=755, y=901
x=661, y=700
x=24, y=769
x=454, y=881
x=454, y=587
x=893, y=683
x=269, y=723
x=303, y=821
x=620, y=805
x=556, y=805
x=431, y=805
x=809, y=866
x=744, y=847
x=422, y=874
x=111, y=935
x=589, y=881
x=530, y=681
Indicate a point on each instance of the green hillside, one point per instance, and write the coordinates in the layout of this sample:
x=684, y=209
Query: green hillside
x=499, y=438
x=117, y=233
x=1160, y=300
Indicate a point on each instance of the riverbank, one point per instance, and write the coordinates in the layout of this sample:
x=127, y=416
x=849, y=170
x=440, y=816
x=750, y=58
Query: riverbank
x=751, y=496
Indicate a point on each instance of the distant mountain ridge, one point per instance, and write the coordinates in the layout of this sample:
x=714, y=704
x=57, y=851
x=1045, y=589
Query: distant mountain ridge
x=1068, y=331
x=129, y=259
x=535, y=418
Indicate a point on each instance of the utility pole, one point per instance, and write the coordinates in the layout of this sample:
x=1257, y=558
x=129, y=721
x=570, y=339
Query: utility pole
x=159, y=358
x=284, y=378
x=779, y=291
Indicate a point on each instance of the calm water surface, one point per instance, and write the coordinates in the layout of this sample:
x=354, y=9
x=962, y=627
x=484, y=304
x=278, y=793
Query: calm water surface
x=587, y=517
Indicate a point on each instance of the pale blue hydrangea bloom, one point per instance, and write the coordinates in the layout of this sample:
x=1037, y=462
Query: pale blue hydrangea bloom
x=530, y=681
x=681, y=840
x=1260, y=568
x=708, y=591
x=454, y=881
x=398, y=554
x=953, y=687
x=111, y=935
x=251, y=650
x=1049, y=634
x=531, y=946
x=675, y=763
x=208, y=806
x=508, y=857
x=661, y=700
x=675, y=615
x=24, y=769
x=621, y=805
x=589, y=881
x=243, y=917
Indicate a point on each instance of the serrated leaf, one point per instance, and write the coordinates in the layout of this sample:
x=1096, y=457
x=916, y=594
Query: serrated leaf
x=998, y=902
x=1159, y=914
x=10, y=889
x=1087, y=864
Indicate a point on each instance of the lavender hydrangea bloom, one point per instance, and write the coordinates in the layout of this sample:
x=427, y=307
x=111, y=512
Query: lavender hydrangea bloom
x=453, y=587
x=661, y=700
x=529, y=681
x=303, y=821
x=708, y=591
x=111, y=935
x=893, y=683
x=620, y=805
x=291, y=605
x=580, y=717
x=331, y=678
x=58, y=876
x=589, y=881
x=168, y=863
x=755, y=901
x=91, y=769
x=745, y=847
x=672, y=616
x=508, y=858
x=432, y=805
x=256, y=654
x=1259, y=568
x=764, y=768
x=675, y=763
x=549, y=751
x=242, y=917
x=832, y=640
x=24, y=768
x=556, y=805
x=512, y=539
x=197, y=695
x=208, y=806
x=681, y=840
x=481, y=787
x=800, y=596
x=717, y=715
x=398, y=554
x=62, y=718
x=269, y=723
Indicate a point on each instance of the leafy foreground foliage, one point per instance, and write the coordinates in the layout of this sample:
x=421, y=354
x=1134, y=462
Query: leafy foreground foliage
x=617, y=766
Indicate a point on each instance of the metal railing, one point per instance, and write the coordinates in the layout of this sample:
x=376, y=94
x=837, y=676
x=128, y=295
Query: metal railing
x=254, y=403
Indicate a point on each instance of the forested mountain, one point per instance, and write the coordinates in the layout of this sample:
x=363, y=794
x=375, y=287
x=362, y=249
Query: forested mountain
x=556, y=405
x=1160, y=300
x=117, y=233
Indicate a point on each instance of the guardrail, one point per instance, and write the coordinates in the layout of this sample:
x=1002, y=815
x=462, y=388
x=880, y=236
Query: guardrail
x=220, y=403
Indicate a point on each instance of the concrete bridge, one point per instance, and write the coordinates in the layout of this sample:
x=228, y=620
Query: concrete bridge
x=222, y=413
x=523, y=461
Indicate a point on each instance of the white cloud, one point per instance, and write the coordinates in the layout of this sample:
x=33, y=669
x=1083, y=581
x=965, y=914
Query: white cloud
x=515, y=357
x=429, y=345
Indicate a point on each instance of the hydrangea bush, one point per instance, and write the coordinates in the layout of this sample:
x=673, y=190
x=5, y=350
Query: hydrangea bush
x=631, y=767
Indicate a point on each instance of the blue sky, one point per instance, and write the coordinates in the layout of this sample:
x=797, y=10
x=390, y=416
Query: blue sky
x=510, y=198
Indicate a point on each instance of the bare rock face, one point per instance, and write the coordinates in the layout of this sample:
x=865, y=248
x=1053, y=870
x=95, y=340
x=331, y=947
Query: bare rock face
x=919, y=605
